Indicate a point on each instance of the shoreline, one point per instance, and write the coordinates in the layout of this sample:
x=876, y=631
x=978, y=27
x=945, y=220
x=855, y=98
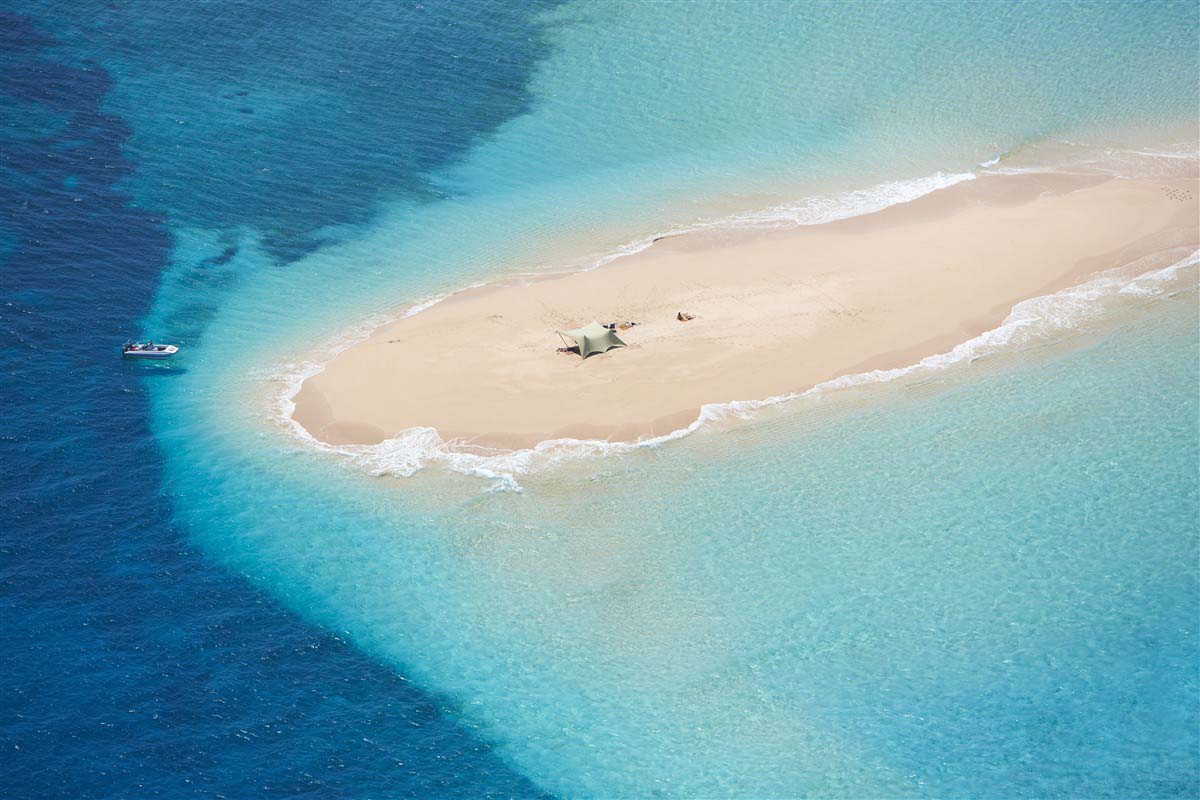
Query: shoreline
x=844, y=294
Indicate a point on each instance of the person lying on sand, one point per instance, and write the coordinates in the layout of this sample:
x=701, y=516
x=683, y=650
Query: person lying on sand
x=682, y=317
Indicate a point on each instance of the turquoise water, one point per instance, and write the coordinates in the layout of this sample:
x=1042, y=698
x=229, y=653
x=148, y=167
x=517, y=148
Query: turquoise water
x=747, y=106
x=900, y=601
x=978, y=581
x=133, y=664
x=982, y=585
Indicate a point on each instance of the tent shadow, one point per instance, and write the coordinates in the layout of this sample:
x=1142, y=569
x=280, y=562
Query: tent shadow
x=601, y=352
x=574, y=350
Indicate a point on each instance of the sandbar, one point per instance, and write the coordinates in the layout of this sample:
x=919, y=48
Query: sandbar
x=775, y=312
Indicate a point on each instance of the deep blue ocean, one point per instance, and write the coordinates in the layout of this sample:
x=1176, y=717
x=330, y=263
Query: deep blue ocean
x=982, y=584
x=131, y=666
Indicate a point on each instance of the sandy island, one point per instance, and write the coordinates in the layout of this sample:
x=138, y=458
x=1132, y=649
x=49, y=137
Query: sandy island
x=776, y=312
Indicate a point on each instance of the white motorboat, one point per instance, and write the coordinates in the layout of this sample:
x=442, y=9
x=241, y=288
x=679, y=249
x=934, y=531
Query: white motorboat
x=148, y=350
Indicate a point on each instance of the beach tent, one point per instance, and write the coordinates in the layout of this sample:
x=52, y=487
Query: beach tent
x=591, y=339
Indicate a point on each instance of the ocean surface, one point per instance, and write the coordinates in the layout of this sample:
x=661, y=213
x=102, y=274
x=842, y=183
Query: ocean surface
x=977, y=577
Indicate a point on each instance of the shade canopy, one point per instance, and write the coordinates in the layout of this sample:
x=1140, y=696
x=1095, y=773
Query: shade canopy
x=592, y=338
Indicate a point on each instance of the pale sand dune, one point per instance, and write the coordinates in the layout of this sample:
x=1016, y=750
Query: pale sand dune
x=777, y=312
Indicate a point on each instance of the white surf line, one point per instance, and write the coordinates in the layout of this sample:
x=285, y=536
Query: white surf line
x=815, y=210
x=1036, y=318
x=411, y=450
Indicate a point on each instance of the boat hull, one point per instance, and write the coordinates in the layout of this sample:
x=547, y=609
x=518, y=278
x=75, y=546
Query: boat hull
x=157, y=354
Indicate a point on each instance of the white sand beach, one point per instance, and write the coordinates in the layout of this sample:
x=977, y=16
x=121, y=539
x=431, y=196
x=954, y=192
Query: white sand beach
x=775, y=312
